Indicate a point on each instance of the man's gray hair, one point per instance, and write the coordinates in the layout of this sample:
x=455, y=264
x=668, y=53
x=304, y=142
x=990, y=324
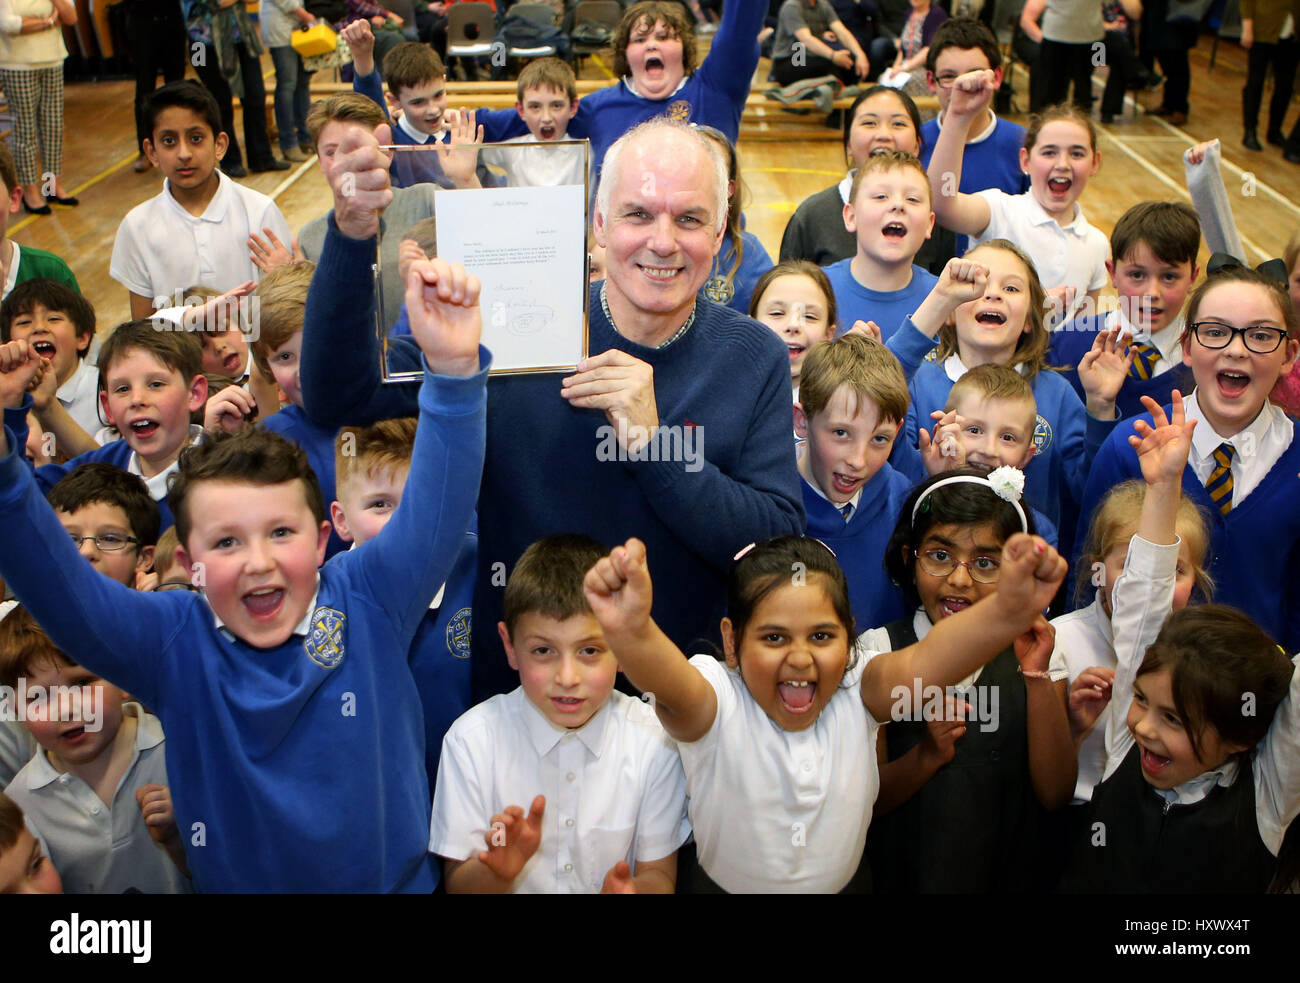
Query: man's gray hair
x=612, y=166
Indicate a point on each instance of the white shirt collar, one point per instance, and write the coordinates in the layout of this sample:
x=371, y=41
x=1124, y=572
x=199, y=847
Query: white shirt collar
x=1168, y=340
x=69, y=391
x=846, y=185
x=1245, y=443
x=11, y=278
x=303, y=628
x=1038, y=215
x=1193, y=791
x=545, y=735
x=417, y=136
x=148, y=734
x=216, y=210
x=627, y=80
x=158, y=483
x=955, y=368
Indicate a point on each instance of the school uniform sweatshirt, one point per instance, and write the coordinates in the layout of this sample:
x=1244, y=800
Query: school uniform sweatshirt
x=719, y=475
x=1254, y=549
x=713, y=95
x=318, y=443
x=302, y=764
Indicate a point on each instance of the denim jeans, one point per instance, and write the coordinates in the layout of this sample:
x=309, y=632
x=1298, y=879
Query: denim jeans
x=292, y=97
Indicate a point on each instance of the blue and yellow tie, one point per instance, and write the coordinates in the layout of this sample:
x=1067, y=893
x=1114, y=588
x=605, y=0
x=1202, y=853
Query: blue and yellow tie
x=846, y=510
x=1219, y=483
x=1144, y=361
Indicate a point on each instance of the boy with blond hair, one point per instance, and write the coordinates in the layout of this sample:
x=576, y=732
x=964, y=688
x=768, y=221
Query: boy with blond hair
x=371, y=466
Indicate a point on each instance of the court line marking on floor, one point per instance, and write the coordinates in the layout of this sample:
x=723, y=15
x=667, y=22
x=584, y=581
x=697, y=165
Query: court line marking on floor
x=601, y=65
x=111, y=169
x=1164, y=178
x=292, y=179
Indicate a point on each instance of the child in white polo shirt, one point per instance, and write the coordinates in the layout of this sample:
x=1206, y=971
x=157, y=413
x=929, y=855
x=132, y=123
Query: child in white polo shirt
x=1060, y=156
x=196, y=231
x=607, y=793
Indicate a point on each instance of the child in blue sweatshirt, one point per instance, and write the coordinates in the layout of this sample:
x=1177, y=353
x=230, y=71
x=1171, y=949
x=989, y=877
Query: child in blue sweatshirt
x=852, y=402
x=371, y=465
x=1239, y=340
x=1003, y=325
x=1153, y=266
x=656, y=62
x=150, y=382
x=295, y=745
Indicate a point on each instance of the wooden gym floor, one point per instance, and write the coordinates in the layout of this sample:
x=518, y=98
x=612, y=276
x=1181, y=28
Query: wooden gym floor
x=1141, y=159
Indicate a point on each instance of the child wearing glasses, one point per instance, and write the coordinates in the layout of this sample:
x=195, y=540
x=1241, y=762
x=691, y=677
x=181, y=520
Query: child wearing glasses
x=1242, y=471
x=991, y=157
x=967, y=773
x=112, y=520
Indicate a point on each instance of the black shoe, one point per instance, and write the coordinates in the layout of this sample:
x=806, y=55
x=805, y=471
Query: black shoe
x=70, y=201
x=1153, y=82
x=1276, y=138
x=308, y=148
x=1293, y=156
x=42, y=210
x=235, y=170
x=1107, y=118
x=1250, y=141
x=274, y=165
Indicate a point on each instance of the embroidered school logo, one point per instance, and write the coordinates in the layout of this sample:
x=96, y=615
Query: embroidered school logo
x=719, y=289
x=458, y=634
x=1042, y=436
x=680, y=111
x=324, y=644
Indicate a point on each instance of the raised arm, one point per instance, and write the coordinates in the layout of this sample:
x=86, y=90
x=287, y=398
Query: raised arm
x=734, y=55
x=957, y=646
x=619, y=591
x=1143, y=595
x=964, y=214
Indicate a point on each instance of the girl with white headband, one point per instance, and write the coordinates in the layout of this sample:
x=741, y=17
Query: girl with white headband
x=967, y=774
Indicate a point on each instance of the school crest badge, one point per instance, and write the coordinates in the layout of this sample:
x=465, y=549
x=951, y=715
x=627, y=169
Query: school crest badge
x=680, y=111
x=458, y=634
x=1042, y=436
x=719, y=289
x=324, y=643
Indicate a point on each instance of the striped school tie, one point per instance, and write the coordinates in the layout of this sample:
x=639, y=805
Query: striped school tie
x=846, y=510
x=1219, y=483
x=1144, y=361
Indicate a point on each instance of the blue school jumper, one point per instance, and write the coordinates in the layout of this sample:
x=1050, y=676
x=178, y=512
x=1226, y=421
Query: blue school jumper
x=292, y=424
x=1067, y=438
x=303, y=764
x=1254, y=549
x=1154, y=847
x=714, y=95
x=1071, y=342
x=115, y=452
x=888, y=308
x=974, y=827
x=439, y=656
x=859, y=544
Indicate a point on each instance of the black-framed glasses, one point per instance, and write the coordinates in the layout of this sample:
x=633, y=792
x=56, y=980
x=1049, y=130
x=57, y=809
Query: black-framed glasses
x=176, y=585
x=945, y=81
x=1259, y=338
x=941, y=563
x=108, y=542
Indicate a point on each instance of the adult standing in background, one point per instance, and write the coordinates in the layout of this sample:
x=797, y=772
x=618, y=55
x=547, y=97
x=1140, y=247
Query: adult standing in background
x=155, y=33
x=1268, y=32
x=31, y=73
x=279, y=19
x=1169, y=41
x=1070, y=32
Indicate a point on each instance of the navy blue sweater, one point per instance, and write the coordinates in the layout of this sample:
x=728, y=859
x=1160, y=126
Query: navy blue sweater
x=1254, y=549
x=859, y=544
x=728, y=378
x=1071, y=342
